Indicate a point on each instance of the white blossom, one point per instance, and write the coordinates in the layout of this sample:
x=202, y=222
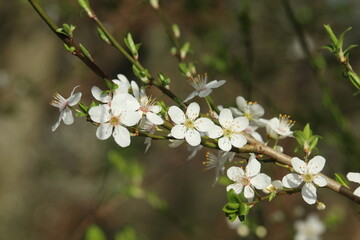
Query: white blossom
x=63, y=105
x=310, y=229
x=250, y=110
x=278, y=128
x=273, y=187
x=230, y=130
x=248, y=179
x=147, y=106
x=202, y=88
x=354, y=177
x=188, y=126
x=308, y=173
x=218, y=162
x=251, y=130
x=113, y=119
x=122, y=87
x=147, y=126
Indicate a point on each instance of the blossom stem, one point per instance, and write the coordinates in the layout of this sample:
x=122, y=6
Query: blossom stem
x=69, y=42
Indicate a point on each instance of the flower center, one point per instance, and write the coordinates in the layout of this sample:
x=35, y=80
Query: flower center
x=227, y=132
x=308, y=177
x=248, y=115
x=245, y=181
x=114, y=120
x=189, y=124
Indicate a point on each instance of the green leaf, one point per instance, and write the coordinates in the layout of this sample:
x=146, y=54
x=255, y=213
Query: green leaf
x=165, y=81
x=176, y=30
x=103, y=36
x=347, y=50
x=232, y=196
x=231, y=207
x=341, y=38
x=244, y=209
x=70, y=49
x=342, y=180
x=94, y=233
x=85, y=52
x=329, y=47
x=231, y=216
x=331, y=34
x=129, y=42
x=184, y=50
x=272, y=195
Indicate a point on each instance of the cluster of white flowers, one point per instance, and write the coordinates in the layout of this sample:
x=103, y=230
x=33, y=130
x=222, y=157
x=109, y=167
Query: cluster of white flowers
x=127, y=107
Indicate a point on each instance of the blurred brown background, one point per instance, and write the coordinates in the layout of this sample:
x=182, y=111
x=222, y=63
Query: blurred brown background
x=53, y=185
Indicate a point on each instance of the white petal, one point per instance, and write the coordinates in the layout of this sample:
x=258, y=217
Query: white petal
x=203, y=124
x=241, y=103
x=308, y=193
x=191, y=96
x=215, y=84
x=277, y=184
x=124, y=101
x=215, y=132
x=225, y=144
x=257, y=110
x=353, y=176
x=155, y=119
x=155, y=108
x=123, y=84
x=67, y=116
x=178, y=131
x=205, y=92
x=56, y=125
x=299, y=165
x=236, y=186
x=74, y=99
x=235, y=173
x=238, y=140
x=100, y=114
x=239, y=124
x=248, y=192
x=176, y=115
x=104, y=131
x=320, y=181
x=130, y=118
x=99, y=95
x=121, y=136
x=193, y=111
x=225, y=118
x=357, y=192
x=292, y=180
x=135, y=89
x=316, y=165
x=253, y=167
x=193, y=137
x=261, y=181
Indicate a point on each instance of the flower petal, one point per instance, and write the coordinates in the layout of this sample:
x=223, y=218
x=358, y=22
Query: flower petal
x=204, y=92
x=130, y=118
x=178, y=131
x=155, y=119
x=123, y=84
x=239, y=124
x=155, y=108
x=316, y=164
x=248, y=192
x=225, y=118
x=357, y=192
x=100, y=114
x=203, y=124
x=176, y=115
x=261, y=181
x=104, y=131
x=74, y=99
x=191, y=96
x=320, y=181
x=353, y=176
x=277, y=184
x=236, y=186
x=67, y=117
x=215, y=132
x=235, y=173
x=238, y=140
x=224, y=144
x=308, y=193
x=215, y=84
x=135, y=90
x=121, y=136
x=193, y=111
x=299, y=165
x=56, y=125
x=192, y=137
x=241, y=103
x=253, y=167
x=99, y=95
x=292, y=180
x=257, y=110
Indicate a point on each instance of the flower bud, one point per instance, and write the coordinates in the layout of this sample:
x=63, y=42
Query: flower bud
x=154, y=4
x=320, y=206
